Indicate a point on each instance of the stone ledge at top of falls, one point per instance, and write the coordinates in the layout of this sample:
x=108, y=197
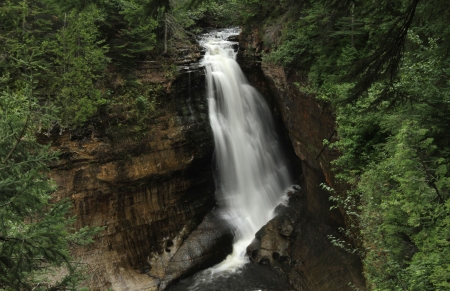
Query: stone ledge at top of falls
x=148, y=183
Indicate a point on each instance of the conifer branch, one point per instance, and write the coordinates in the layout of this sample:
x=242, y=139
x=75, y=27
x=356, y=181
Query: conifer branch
x=18, y=140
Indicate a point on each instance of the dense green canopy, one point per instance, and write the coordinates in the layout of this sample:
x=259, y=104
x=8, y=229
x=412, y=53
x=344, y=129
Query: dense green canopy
x=384, y=66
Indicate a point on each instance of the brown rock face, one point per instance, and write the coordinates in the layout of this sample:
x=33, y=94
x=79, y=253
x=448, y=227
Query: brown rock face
x=149, y=183
x=314, y=264
x=207, y=245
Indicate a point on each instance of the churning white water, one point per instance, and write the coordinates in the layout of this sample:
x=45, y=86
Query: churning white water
x=251, y=175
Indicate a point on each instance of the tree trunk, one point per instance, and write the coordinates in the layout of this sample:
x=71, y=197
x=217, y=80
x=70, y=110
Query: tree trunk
x=165, y=34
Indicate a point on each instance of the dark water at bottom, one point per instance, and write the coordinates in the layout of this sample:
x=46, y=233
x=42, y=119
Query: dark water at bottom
x=252, y=277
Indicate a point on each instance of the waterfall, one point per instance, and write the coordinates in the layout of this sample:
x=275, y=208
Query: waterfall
x=251, y=175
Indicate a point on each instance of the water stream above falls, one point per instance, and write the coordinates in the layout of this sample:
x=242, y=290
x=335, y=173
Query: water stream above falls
x=252, y=178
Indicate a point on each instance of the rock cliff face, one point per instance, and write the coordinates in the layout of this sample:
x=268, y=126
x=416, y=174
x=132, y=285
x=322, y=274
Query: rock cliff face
x=147, y=182
x=308, y=257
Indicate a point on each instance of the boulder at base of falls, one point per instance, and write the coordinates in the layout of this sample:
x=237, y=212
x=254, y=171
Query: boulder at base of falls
x=295, y=244
x=206, y=246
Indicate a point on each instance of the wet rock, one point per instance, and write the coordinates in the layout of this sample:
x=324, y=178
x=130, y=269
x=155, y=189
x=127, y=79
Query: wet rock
x=233, y=38
x=253, y=248
x=149, y=184
x=206, y=246
x=274, y=241
x=304, y=254
x=251, y=277
x=269, y=245
x=286, y=228
x=285, y=260
x=307, y=121
x=185, y=53
x=265, y=261
x=323, y=266
x=275, y=256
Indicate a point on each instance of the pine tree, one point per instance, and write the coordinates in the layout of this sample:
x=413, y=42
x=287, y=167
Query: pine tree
x=35, y=233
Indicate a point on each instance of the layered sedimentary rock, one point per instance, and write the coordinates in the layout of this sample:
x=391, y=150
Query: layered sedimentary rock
x=147, y=181
x=311, y=261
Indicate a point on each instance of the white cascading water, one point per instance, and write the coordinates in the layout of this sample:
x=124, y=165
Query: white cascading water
x=251, y=177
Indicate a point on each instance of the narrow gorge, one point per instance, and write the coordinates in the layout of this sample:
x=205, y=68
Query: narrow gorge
x=152, y=185
x=243, y=145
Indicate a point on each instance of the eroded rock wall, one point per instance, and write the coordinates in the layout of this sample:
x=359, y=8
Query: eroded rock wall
x=147, y=182
x=311, y=261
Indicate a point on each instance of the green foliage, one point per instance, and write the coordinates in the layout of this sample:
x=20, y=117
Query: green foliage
x=35, y=233
x=137, y=36
x=67, y=54
x=396, y=158
x=384, y=67
x=224, y=12
x=402, y=195
x=72, y=45
x=141, y=101
x=406, y=190
x=78, y=61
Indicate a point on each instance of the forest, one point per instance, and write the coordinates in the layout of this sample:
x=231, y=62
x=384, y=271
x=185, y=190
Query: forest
x=383, y=66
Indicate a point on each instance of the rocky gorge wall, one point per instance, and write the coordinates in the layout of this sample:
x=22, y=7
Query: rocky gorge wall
x=296, y=242
x=149, y=183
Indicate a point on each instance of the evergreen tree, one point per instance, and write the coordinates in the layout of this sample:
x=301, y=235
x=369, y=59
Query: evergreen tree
x=384, y=67
x=35, y=233
x=68, y=52
x=78, y=60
